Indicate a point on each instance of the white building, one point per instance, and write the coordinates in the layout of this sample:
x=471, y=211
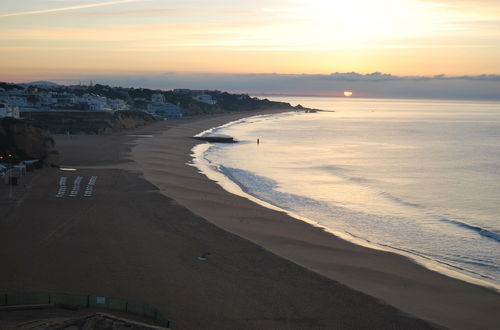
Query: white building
x=118, y=104
x=65, y=99
x=205, y=98
x=9, y=111
x=45, y=99
x=4, y=97
x=95, y=102
x=16, y=100
x=158, y=98
x=164, y=110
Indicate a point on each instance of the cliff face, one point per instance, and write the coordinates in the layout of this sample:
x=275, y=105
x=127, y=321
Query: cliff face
x=60, y=122
x=124, y=120
x=24, y=141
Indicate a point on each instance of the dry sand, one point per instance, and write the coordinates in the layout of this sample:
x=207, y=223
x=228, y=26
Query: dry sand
x=389, y=277
x=130, y=240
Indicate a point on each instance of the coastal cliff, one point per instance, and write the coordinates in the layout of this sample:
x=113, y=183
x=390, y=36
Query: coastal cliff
x=124, y=120
x=85, y=122
x=21, y=141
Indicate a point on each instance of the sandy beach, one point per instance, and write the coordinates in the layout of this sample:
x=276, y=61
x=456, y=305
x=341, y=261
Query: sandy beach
x=151, y=216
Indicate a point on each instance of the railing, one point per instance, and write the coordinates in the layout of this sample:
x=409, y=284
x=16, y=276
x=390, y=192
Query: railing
x=75, y=300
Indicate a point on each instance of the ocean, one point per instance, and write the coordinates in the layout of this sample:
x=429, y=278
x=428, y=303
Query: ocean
x=416, y=177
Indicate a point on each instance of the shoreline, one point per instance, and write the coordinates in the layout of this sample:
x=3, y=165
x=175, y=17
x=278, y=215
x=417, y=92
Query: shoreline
x=232, y=187
x=136, y=240
x=129, y=241
x=391, y=277
x=228, y=184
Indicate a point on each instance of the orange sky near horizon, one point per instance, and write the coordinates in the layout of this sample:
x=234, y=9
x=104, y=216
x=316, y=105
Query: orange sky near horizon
x=47, y=39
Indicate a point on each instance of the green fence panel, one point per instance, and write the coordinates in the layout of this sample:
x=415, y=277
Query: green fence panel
x=69, y=299
x=149, y=311
x=28, y=299
x=117, y=304
x=139, y=308
x=98, y=301
x=130, y=306
x=135, y=307
x=162, y=320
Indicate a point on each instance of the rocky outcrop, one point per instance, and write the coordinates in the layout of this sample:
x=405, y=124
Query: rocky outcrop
x=21, y=141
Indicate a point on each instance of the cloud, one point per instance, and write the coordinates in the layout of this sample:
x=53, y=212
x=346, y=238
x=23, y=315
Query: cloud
x=493, y=3
x=54, y=10
x=480, y=87
x=377, y=76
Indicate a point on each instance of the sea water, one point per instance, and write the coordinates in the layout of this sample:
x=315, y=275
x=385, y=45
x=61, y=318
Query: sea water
x=419, y=178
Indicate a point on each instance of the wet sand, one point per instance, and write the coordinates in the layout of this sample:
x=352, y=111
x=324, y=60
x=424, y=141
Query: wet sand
x=151, y=216
x=389, y=277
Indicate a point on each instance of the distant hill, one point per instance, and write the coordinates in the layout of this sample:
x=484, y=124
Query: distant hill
x=42, y=83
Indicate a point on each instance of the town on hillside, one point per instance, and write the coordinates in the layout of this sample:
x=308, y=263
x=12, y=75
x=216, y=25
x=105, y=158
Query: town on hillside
x=19, y=100
x=34, y=111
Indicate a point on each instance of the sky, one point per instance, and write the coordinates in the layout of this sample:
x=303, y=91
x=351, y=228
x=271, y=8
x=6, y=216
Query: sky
x=75, y=39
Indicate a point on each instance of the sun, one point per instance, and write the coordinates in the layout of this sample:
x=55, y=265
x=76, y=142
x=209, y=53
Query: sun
x=348, y=93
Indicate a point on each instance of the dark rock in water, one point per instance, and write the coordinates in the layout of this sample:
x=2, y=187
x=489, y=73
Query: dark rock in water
x=216, y=138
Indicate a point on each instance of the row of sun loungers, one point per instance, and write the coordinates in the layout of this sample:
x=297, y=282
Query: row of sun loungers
x=63, y=186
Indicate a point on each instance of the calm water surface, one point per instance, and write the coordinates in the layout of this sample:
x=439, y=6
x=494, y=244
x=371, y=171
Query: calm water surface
x=420, y=178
